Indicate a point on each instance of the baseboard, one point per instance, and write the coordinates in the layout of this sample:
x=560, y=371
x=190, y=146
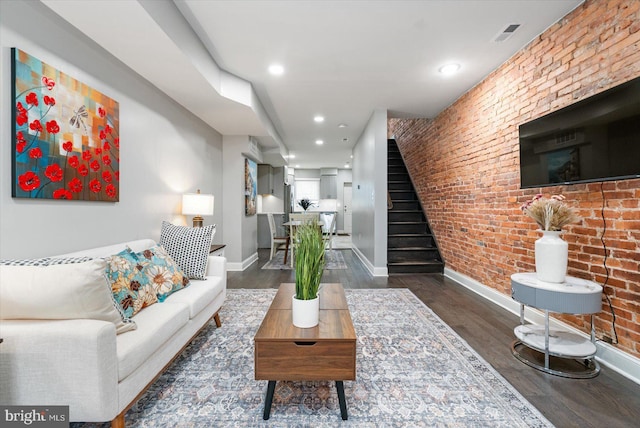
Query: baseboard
x=617, y=360
x=239, y=267
x=375, y=271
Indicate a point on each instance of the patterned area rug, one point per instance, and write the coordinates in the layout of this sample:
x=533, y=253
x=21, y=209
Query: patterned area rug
x=333, y=258
x=412, y=371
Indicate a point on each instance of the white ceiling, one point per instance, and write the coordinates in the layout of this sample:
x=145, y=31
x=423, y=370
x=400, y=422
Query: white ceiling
x=342, y=59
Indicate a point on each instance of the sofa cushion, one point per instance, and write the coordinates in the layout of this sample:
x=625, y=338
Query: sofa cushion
x=160, y=270
x=131, y=288
x=46, y=261
x=156, y=325
x=25, y=262
x=64, y=291
x=199, y=294
x=188, y=246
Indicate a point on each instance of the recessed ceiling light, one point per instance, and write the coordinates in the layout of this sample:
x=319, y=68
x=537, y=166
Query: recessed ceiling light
x=342, y=125
x=276, y=69
x=449, y=69
x=297, y=165
x=318, y=119
x=346, y=165
x=351, y=156
x=291, y=156
x=319, y=142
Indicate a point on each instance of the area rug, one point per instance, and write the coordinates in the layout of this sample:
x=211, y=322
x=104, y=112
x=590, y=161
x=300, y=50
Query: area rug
x=412, y=371
x=341, y=242
x=334, y=260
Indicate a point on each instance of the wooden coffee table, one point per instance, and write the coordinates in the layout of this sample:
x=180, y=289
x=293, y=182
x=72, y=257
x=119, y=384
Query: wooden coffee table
x=324, y=352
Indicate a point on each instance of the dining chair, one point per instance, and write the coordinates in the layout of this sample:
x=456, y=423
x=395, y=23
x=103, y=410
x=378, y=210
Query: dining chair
x=304, y=218
x=277, y=242
x=327, y=236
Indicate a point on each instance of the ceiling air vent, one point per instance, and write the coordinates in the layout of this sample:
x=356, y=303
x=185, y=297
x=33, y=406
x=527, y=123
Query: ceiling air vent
x=506, y=33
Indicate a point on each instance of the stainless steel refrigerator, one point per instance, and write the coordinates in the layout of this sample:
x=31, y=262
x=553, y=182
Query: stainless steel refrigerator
x=289, y=201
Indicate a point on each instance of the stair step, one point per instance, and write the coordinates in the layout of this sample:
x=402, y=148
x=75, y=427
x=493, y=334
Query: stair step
x=415, y=267
x=405, y=205
x=400, y=240
x=399, y=185
x=398, y=176
x=394, y=216
x=395, y=228
x=402, y=195
x=411, y=254
x=391, y=169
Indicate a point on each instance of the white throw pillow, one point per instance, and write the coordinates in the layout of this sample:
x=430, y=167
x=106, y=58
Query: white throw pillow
x=63, y=291
x=189, y=247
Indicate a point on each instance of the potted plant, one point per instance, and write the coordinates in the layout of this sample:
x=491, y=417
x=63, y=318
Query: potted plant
x=309, y=264
x=305, y=203
x=551, y=251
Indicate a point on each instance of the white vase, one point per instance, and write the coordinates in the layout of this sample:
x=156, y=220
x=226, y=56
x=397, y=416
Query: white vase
x=305, y=313
x=552, y=254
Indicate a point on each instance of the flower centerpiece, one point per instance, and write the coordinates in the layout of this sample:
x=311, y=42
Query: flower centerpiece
x=305, y=203
x=551, y=251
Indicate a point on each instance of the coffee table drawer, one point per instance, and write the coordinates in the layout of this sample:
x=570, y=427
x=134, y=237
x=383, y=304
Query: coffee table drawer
x=305, y=360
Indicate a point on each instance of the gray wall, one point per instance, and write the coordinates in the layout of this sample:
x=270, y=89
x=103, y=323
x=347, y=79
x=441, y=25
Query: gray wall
x=165, y=150
x=370, y=194
x=241, y=231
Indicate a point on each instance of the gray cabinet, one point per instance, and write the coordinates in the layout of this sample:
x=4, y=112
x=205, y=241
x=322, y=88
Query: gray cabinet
x=277, y=175
x=271, y=180
x=265, y=179
x=328, y=187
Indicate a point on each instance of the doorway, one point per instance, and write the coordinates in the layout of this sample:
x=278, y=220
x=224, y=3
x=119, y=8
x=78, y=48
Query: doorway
x=346, y=207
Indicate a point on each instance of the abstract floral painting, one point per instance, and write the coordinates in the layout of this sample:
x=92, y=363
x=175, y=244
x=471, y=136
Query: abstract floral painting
x=66, y=142
x=250, y=187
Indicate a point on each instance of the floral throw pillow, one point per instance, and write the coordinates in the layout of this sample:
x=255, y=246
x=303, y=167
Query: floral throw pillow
x=131, y=288
x=160, y=270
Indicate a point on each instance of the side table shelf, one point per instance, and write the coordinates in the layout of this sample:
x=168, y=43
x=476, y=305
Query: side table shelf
x=574, y=296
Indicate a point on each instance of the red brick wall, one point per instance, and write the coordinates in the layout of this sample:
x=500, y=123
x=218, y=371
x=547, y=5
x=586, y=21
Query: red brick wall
x=465, y=165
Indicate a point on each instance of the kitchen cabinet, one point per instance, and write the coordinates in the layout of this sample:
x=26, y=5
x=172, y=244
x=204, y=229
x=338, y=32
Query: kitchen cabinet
x=271, y=180
x=328, y=187
x=265, y=179
x=277, y=175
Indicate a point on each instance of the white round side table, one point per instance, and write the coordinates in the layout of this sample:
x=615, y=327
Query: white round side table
x=574, y=296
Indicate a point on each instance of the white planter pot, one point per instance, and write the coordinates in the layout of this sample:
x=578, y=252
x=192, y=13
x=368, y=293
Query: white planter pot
x=552, y=254
x=305, y=313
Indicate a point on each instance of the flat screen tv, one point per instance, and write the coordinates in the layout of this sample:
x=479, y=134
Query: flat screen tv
x=595, y=139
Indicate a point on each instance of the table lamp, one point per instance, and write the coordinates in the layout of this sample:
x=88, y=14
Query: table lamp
x=197, y=205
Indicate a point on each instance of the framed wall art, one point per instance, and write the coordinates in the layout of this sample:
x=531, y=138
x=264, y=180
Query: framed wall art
x=66, y=142
x=250, y=187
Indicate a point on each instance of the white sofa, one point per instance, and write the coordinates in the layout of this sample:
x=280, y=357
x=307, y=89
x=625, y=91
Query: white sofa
x=84, y=364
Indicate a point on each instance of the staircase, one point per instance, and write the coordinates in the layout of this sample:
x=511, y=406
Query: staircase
x=411, y=247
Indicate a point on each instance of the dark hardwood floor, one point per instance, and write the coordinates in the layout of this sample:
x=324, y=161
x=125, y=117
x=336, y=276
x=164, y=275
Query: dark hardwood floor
x=608, y=400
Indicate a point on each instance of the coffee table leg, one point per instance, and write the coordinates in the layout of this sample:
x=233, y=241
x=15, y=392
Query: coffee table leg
x=342, y=400
x=269, y=399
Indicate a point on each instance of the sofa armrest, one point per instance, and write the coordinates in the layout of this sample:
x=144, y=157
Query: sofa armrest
x=60, y=362
x=218, y=267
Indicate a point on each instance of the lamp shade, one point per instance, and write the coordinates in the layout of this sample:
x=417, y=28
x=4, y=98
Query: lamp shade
x=197, y=204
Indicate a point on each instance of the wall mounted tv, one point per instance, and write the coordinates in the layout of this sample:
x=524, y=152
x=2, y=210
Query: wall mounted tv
x=596, y=139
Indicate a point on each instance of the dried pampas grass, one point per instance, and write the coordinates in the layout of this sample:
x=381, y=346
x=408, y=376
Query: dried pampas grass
x=550, y=214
